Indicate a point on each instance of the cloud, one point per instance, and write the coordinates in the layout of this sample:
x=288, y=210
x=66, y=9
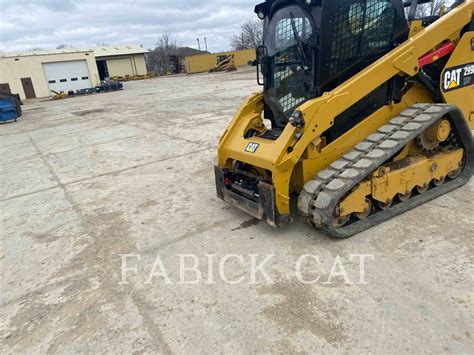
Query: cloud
x=81, y=23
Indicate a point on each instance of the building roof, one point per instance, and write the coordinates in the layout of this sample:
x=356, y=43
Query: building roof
x=43, y=52
x=104, y=51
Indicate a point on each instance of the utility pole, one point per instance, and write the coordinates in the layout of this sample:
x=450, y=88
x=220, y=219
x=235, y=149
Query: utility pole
x=205, y=42
x=199, y=44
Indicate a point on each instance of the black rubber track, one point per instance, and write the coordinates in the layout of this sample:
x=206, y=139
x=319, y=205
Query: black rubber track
x=322, y=194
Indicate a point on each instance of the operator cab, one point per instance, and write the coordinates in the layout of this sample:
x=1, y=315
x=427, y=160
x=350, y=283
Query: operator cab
x=312, y=46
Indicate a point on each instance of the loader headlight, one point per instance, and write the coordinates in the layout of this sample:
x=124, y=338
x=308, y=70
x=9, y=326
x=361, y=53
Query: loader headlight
x=297, y=119
x=261, y=15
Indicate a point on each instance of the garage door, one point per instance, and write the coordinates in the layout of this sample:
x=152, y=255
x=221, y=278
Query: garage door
x=120, y=67
x=65, y=76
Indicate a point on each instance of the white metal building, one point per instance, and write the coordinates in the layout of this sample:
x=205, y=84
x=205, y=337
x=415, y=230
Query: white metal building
x=37, y=73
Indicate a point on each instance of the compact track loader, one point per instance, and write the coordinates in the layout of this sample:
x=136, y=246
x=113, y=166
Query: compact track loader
x=366, y=112
x=224, y=63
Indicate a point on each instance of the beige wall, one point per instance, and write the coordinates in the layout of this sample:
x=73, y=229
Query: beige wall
x=126, y=65
x=205, y=62
x=11, y=70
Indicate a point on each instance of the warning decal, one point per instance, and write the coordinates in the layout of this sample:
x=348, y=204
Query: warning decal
x=458, y=77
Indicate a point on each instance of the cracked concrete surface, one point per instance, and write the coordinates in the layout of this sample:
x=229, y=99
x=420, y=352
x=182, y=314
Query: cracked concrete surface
x=87, y=179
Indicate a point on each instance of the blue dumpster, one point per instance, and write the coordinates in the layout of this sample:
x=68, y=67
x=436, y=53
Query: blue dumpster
x=7, y=110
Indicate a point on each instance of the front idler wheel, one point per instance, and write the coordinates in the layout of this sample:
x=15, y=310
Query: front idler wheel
x=339, y=221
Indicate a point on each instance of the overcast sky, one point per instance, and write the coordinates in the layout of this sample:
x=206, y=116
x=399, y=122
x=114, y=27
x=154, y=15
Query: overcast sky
x=25, y=24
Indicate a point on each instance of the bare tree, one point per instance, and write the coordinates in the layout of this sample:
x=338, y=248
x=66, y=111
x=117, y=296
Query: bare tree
x=432, y=8
x=159, y=58
x=63, y=46
x=251, y=35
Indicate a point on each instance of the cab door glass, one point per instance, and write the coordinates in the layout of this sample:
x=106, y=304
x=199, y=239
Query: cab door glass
x=288, y=40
